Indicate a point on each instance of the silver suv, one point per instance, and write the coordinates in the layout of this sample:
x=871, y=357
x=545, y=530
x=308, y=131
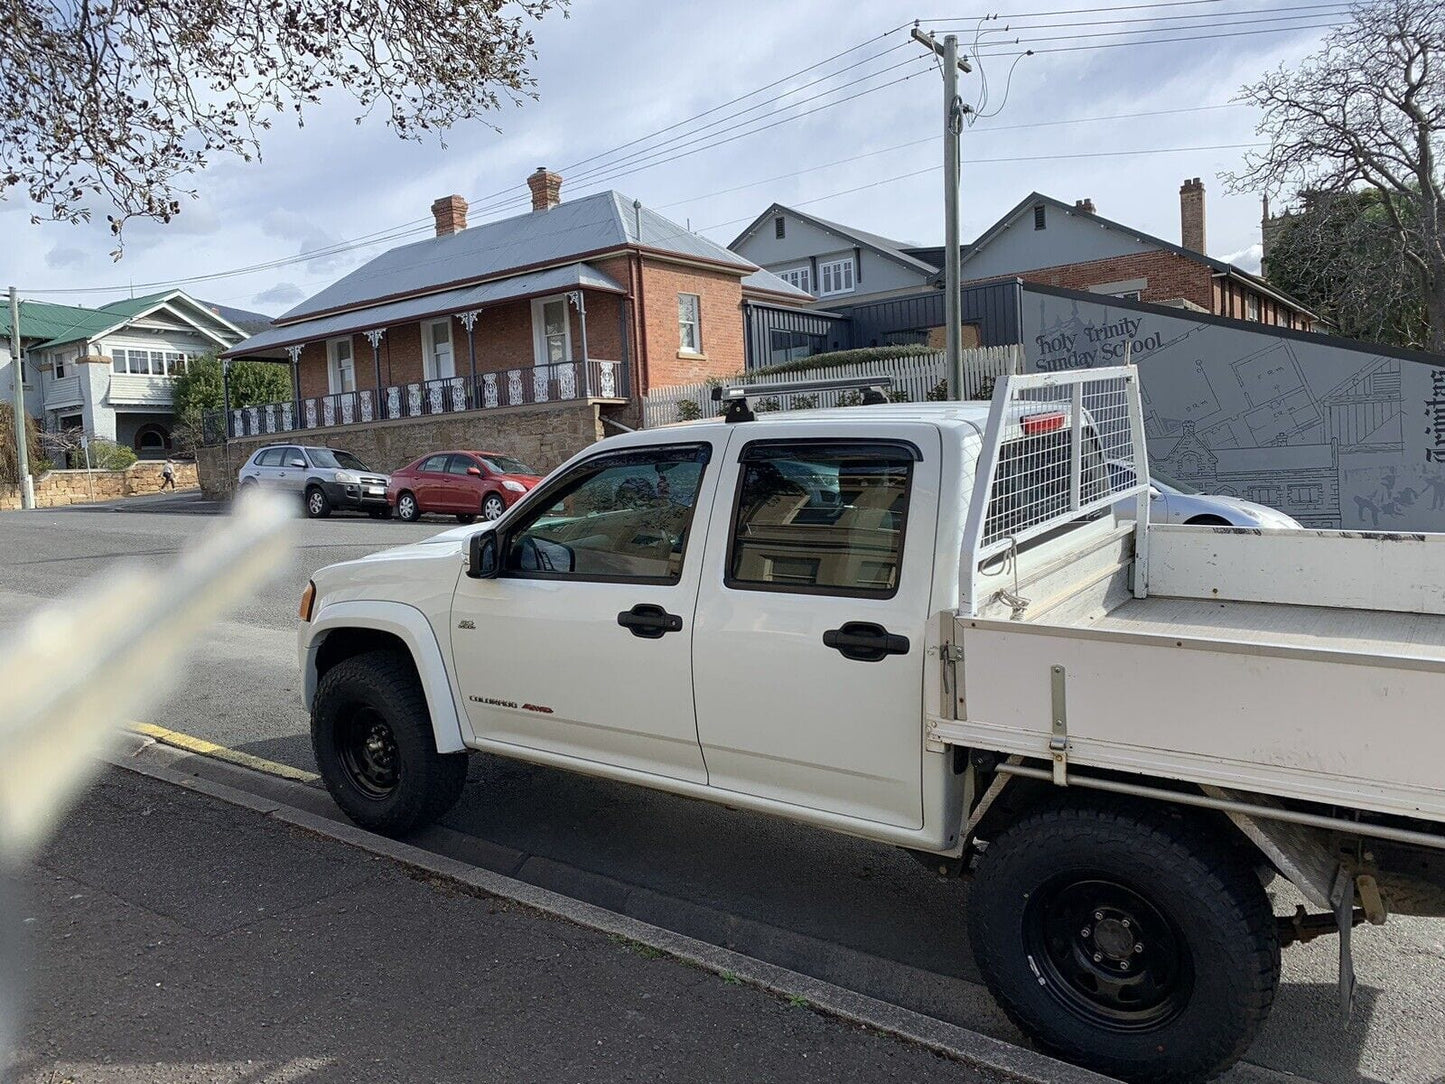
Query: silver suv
x=325, y=478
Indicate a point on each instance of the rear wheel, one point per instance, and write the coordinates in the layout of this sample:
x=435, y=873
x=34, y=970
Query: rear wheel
x=407, y=508
x=466, y=517
x=317, y=505
x=1125, y=940
x=372, y=737
x=493, y=507
x=1207, y=521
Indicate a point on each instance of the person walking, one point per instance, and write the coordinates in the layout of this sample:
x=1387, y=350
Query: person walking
x=168, y=475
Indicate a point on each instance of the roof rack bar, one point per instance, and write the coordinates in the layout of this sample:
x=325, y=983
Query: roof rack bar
x=726, y=392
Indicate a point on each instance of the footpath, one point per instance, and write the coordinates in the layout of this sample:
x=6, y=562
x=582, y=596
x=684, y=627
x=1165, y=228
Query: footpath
x=172, y=937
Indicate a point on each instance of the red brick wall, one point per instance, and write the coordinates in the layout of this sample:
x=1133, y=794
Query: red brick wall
x=1170, y=276
x=721, y=302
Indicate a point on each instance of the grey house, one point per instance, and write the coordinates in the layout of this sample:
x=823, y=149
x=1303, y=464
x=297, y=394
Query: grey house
x=836, y=264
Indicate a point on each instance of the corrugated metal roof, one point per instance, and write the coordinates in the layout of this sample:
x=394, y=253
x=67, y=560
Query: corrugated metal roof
x=590, y=224
x=534, y=284
x=762, y=279
x=43, y=320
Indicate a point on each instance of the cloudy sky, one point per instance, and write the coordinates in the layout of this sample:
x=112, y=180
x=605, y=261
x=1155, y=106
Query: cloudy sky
x=854, y=139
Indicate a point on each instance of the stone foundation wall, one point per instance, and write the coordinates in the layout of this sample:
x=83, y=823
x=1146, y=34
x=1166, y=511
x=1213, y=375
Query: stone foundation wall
x=543, y=436
x=62, y=487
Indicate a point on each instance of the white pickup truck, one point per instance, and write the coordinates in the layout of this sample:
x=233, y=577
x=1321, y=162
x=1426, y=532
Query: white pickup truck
x=925, y=624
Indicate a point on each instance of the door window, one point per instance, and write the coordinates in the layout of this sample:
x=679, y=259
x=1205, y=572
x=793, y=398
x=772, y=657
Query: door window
x=460, y=464
x=622, y=517
x=820, y=518
x=435, y=463
x=439, y=353
x=271, y=457
x=290, y=456
x=552, y=330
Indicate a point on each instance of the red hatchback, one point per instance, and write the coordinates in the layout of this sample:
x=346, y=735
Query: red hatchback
x=465, y=484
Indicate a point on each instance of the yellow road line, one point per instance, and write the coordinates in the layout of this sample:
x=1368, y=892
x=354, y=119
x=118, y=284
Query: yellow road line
x=201, y=747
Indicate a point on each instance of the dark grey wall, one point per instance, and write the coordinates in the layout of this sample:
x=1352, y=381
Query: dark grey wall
x=1337, y=434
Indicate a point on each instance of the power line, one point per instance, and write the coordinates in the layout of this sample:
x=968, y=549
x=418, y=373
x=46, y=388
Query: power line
x=724, y=105
x=668, y=157
x=1085, y=11
x=1157, y=30
x=971, y=23
x=1151, y=41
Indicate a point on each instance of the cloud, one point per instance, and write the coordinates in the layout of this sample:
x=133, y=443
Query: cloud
x=66, y=257
x=283, y=293
x=1247, y=258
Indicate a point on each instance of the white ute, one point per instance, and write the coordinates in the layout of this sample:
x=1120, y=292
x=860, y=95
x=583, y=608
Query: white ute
x=924, y=624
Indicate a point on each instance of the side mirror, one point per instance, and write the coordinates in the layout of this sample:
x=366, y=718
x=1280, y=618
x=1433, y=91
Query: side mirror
x=297, y=463
x=482, y=555
x=1155, y=493
x=475, y=472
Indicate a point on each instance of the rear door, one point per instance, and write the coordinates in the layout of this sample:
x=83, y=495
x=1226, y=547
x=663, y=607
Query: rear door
x=431, y=477
x=808, y=655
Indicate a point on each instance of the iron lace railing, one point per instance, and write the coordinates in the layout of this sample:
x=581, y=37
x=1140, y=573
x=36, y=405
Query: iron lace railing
x=560, y=382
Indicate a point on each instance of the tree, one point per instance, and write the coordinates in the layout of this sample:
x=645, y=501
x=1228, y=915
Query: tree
x=1366, y=114
x=1338, y=254
x=199, y=389
x=119, y=101
x=9, y=452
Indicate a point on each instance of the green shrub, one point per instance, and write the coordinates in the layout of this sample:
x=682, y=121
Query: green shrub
x=9, y=456
x=108, y=455
x=688, y=410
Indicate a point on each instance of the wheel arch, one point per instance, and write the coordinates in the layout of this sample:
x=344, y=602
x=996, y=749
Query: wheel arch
x=346, y=629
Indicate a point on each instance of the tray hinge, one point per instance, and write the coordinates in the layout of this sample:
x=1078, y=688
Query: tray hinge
x=1059, y=739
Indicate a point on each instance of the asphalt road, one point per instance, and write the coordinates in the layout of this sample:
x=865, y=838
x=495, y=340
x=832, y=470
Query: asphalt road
x=852, y=912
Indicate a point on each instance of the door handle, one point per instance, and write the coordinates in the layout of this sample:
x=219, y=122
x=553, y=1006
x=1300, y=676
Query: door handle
x=649, y=621
x=863, y=641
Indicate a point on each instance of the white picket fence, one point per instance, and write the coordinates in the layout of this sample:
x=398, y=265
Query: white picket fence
x=913, y=379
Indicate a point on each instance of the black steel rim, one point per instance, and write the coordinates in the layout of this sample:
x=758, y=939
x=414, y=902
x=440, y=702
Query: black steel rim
x=1106, y=953
x=368, y=752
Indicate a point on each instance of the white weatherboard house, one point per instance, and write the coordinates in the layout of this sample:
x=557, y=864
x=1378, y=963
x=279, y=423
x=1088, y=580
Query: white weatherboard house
x=108, y=370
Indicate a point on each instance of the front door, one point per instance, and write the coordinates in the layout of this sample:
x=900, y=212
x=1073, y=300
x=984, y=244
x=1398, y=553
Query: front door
x=431, y=483
x=583, y=645
x=809, y=662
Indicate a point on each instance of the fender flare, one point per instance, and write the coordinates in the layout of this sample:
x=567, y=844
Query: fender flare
x=409, y=625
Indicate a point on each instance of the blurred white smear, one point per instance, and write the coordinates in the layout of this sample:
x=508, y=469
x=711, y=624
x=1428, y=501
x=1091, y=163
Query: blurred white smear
x=80, y=668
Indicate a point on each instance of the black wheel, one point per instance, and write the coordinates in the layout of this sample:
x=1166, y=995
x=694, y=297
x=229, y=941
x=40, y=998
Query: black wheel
x=317, y=505
x=407, y=508
x=493, y=507
x=1125, y=940
x=1207, y=521
x=372, y=736
x=466, y=517
x=380, y=513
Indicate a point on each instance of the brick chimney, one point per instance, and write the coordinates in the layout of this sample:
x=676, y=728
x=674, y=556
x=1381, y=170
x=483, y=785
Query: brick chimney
x=1191, y=215
x=1086, y=205
x=546, y=189
x=451, y=215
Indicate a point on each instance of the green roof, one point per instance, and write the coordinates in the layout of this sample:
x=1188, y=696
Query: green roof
x=61, y=323
x=132, y=306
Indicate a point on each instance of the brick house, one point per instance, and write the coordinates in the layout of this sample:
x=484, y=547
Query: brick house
x=584, y=303
x=1045, y=240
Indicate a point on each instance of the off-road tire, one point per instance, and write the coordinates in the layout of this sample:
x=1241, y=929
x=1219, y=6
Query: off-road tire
x=428, y=783
x=407, y=508
x=317, y=504
x=1199, y=884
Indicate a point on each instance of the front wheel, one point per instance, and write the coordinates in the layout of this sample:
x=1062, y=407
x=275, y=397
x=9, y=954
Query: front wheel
x=1125, y=940
x=372, y=736
x=317, y=505
x=493, y=507
x=407, y=508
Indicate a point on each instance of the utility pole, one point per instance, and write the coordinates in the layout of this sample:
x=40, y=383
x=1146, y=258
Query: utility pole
x=17, y=377
x=953, y=112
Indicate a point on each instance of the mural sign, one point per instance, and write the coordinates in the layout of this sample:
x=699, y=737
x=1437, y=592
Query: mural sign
x=1329, y=433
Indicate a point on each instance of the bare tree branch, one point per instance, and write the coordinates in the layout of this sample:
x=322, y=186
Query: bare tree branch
x=114, y=103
